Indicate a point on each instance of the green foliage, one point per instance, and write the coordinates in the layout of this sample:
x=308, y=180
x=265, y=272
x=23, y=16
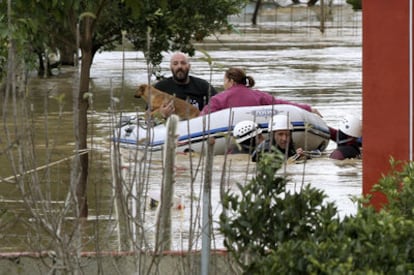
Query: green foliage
x=356, y=4
x=398, y=187
x=153, y=26
x=176, y=24
x=267, y=215
x=280, y=233
x=369, y=243
x=19, y=31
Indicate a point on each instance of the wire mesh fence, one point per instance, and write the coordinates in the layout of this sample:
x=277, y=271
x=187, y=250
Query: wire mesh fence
x=36, y=208
x=334, y=18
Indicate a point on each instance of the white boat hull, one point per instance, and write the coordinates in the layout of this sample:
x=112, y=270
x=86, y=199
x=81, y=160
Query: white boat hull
x=310, y=132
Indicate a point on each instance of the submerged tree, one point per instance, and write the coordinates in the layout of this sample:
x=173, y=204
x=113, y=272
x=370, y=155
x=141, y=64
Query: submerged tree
x=158, y=26
x=152, y=26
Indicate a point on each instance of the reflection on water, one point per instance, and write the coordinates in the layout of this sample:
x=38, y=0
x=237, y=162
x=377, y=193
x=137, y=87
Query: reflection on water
x=323, y=71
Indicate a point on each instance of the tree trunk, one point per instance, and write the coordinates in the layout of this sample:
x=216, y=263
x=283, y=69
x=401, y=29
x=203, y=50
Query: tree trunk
x=67, y=53
x=256, y=11
x=312, y=3
x=83, y=105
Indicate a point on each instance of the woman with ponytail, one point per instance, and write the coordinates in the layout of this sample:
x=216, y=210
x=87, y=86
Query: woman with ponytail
x=238, y=92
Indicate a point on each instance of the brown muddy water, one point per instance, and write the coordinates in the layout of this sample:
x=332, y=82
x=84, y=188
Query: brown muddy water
x=321, y=70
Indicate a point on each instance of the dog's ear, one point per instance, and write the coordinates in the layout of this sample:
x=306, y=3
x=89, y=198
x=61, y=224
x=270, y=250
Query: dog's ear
x=140, y=91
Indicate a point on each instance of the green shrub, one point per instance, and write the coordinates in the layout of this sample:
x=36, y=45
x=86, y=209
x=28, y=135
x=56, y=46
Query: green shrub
x=356, y=4
x=266, y=215
x=270, y=230
x=398, y=188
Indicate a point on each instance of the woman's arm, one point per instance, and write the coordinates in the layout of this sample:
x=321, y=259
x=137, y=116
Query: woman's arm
x=300, y=105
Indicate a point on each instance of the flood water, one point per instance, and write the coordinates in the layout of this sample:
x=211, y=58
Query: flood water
x=323, y=70
x=327, y=77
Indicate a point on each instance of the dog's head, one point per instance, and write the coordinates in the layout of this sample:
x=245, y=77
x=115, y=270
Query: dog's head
x=141, y=90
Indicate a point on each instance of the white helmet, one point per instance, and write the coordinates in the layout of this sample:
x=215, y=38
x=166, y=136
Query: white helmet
x=280, y=122
x=351, y=125
x=245, y=129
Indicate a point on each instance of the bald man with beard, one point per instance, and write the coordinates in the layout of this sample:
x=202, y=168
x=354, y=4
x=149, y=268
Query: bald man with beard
x=194, y=90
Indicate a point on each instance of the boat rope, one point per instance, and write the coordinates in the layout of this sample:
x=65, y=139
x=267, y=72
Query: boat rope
x=309, y=154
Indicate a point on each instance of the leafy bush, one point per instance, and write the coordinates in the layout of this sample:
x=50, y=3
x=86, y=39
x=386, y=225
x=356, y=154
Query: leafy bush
x=272, y=231
x=356, y=4
x=266, y=215
x=398, y=187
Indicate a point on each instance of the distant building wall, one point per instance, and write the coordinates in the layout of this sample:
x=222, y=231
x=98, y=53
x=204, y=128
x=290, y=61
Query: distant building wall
x=387, y=89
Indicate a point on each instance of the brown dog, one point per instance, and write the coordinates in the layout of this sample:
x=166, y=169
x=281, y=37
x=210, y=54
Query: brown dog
x=158, y=98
